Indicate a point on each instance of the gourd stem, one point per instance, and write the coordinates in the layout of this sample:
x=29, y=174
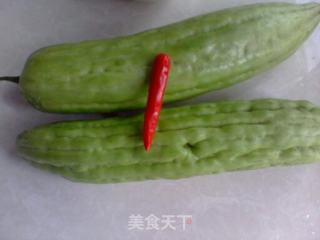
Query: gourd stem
x=14, y=79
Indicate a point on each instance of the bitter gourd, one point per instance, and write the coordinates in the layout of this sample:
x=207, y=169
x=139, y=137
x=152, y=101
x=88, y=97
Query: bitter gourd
x=208, y=52
x=190, y=140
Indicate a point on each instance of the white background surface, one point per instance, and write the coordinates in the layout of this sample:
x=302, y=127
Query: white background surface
x=277, y=203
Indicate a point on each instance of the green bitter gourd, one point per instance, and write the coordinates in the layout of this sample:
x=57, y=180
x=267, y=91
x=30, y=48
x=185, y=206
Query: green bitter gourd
x=190, y=140
x=208, y=52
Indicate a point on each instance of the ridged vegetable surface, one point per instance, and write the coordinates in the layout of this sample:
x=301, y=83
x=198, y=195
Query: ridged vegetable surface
x=208, y=52
x=192, y=140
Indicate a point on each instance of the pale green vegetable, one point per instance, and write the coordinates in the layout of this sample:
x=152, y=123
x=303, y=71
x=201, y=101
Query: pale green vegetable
x=208, y=52
x=191, y=140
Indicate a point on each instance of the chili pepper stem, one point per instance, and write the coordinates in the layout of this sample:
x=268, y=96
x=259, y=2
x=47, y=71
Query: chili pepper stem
x=14, y=79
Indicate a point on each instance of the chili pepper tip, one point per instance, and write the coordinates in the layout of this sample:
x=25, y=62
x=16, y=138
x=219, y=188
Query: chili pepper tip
x=147, y=147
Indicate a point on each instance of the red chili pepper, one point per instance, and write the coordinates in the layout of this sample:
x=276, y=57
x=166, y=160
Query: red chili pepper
x=159, y=79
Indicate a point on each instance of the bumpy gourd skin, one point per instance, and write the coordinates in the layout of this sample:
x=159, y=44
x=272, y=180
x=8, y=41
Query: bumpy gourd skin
x=208, y=52
x=191, y=140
